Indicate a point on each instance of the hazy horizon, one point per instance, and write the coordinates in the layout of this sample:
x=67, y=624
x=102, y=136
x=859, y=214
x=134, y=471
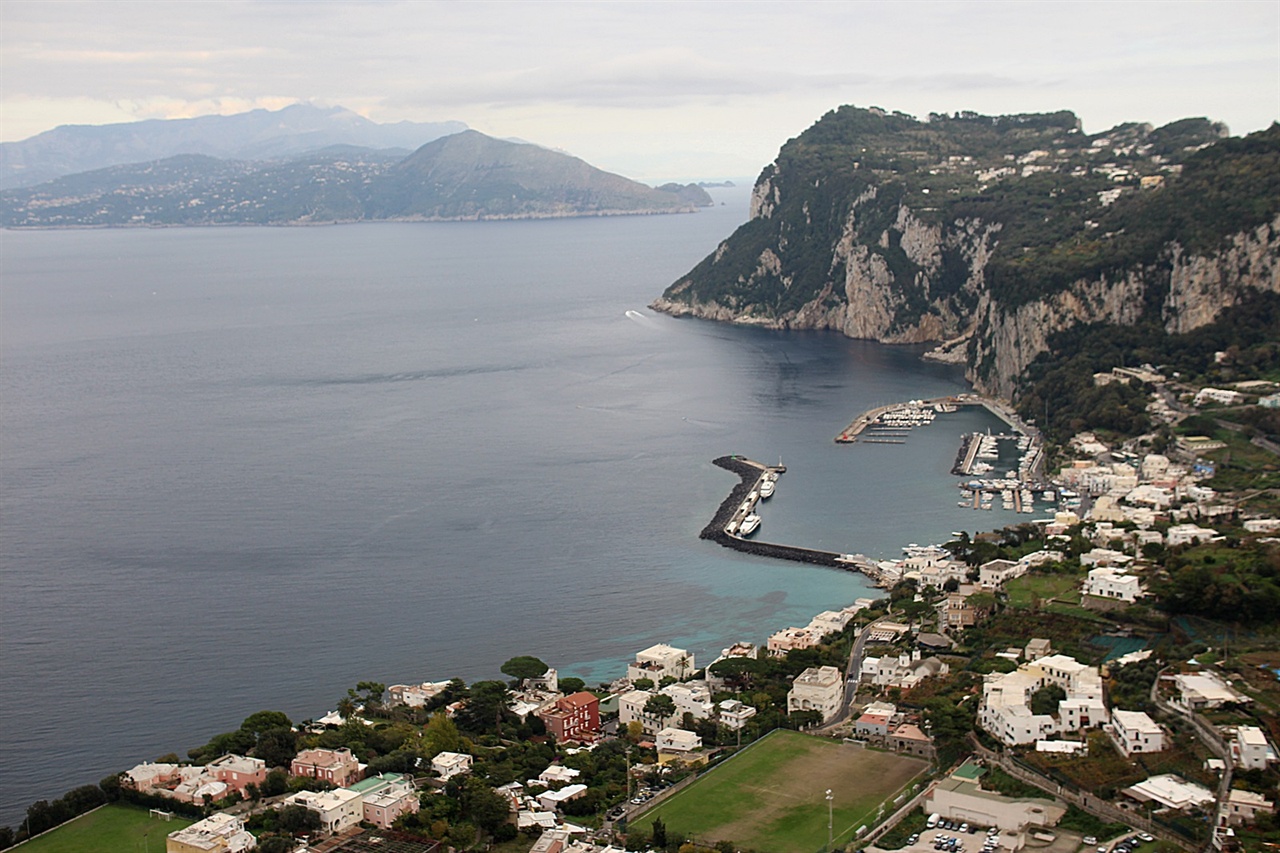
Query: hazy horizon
x=648, y=90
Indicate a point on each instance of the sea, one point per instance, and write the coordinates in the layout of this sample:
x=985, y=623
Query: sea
x=246, y=468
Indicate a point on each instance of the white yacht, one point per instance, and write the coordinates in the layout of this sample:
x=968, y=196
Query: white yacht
x=766, y=487
x=749, y=525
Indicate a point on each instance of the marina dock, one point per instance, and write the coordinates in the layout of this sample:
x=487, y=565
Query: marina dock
x=740, y=502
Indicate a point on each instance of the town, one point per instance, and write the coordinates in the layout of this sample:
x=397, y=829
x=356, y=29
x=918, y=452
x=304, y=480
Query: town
x=1085, y=679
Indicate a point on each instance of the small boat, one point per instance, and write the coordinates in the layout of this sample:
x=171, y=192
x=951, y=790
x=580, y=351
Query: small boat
x=766, y=488
x=749, y=525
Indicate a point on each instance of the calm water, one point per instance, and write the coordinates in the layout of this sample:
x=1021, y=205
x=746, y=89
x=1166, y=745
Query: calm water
x=246, y=468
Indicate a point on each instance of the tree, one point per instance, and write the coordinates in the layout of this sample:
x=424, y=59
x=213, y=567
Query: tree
x=266, y=721
x=296, y=819
x=572, y=685
x=1046, y=699
x=660, y=706
x=484, y=806
x=277, y=747
x=643, y=684
x=440, y=735
x=524, y=667
x=659, y=833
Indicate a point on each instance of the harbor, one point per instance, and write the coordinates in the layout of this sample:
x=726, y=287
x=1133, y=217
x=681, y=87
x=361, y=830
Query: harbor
x=980, y=453
x=725, y=527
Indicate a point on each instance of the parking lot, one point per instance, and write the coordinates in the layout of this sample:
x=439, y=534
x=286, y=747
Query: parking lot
x=953, y=837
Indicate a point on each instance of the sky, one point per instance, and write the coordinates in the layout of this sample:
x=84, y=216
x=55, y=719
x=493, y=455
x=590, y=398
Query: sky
x=654, y=90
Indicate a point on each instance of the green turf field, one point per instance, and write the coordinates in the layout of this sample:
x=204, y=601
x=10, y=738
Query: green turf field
x=115, y=828
x=772, y=795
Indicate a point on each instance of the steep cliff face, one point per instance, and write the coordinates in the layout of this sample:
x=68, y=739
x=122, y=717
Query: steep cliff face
x=1007, y=230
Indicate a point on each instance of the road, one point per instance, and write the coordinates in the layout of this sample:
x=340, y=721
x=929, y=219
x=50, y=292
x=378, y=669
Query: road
x=851, y=676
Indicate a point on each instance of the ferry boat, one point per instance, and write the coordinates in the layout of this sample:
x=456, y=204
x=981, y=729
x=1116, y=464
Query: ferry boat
x=749, y=525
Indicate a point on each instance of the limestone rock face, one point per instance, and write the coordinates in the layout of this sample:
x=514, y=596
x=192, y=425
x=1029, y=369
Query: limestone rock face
x=888, y=229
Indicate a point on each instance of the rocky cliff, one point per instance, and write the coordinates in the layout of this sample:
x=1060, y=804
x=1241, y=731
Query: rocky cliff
x=1002, y=231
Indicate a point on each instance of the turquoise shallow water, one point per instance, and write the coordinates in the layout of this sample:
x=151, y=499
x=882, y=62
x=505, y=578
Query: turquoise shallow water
x=246, y=468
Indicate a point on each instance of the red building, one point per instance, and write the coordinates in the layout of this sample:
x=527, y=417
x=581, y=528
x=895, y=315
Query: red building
x=573, y=718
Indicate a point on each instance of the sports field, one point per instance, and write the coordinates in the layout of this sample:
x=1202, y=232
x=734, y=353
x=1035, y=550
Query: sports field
x=772, y=795
x=111, y=829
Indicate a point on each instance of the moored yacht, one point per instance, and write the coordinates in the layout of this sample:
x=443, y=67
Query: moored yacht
x=749, y=525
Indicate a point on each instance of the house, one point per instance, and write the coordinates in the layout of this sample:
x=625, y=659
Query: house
x=993, y=574
x=148, y=775
x=1005, y=711
x=691, y=697
x=1117, y=584
x=958, y=612
x=659, y=662
x=1250, y=749
x=386, y=797
x=734, y=714
x=551, y=800
x=414, y=695
x=631, y=710
x=573, y=718
x=1222, y=396
x=904, y=671
x=1038, y=648
x=337, y=766
x=792, y=638
x=1200, y=690
x=818, y=689
x=218, y=833
x=446, y=765
x=677, y=740
x=238, y=772
x=1188, y=534
x=1170, y=791
x=909, y=739
x=1243, y=807
x=873, y=724
x=1104, y=557
x=339, y=809
x=558, y=774
x=1134, y=732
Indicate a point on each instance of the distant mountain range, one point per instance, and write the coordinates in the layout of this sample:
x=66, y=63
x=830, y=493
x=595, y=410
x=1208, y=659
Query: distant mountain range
x=256, y=135
x=465, y=175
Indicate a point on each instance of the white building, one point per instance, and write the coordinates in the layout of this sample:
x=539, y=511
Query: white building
x=691, y=697
x=1223, y=396
x=818, y=689
x=659, y=662
x=1185, y=534
x=677, y=740
x=219, y=832
x=449, y=764
x=1005, y=711
x=415, y=695
x=339, y=809
x=734, y=714
x=551, y=800
x=1136, y=732
x=1250, y=749
x=1200, y=690
x=1107, y=582
x=631, y=710
x=993, y=574
x=1243, y=807
x=903, y=671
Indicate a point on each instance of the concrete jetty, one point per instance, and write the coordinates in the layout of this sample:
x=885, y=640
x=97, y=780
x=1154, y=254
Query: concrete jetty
x=732, y=511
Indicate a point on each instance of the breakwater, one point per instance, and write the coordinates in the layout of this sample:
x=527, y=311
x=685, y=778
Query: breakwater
x=750, y=473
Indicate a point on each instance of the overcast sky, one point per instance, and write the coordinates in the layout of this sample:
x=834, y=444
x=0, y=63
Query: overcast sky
x=654, y=90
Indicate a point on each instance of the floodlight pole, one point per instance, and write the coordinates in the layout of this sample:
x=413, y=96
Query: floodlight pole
x=830, y=838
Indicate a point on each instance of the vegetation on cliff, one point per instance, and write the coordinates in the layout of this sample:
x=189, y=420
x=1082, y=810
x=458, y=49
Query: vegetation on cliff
x=886, y=227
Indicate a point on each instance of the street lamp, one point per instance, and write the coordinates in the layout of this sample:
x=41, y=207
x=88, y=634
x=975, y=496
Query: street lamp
x=830, y=799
